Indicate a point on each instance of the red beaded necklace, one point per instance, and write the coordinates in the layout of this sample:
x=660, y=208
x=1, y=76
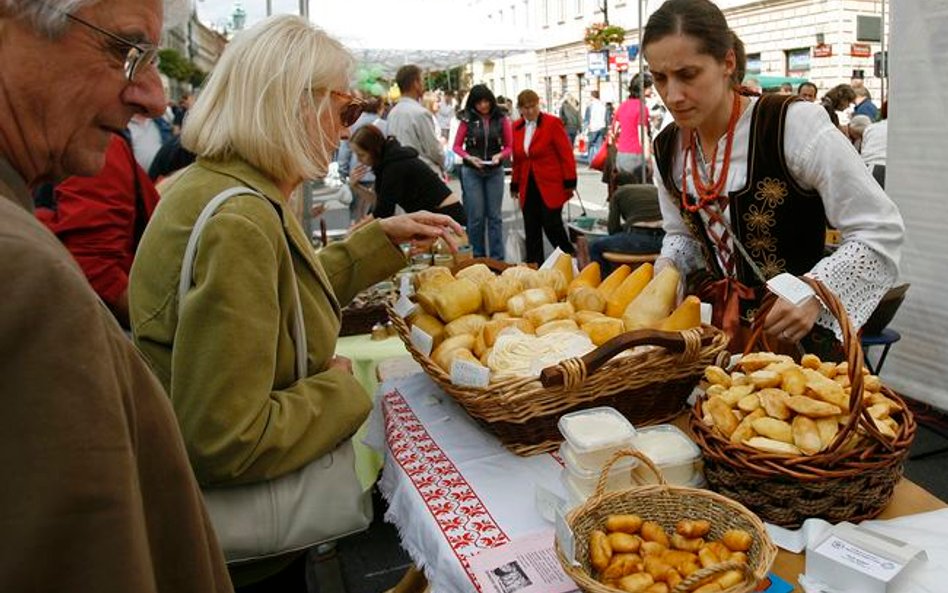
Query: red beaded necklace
x=714, y=190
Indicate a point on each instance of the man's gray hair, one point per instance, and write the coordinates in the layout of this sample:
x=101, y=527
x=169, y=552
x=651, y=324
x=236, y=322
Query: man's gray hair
x=49, y=16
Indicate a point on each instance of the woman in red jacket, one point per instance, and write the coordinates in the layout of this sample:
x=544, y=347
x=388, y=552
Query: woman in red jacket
x=544, y=175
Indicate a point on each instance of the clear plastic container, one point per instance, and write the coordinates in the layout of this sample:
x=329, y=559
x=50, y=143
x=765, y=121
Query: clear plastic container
x=595, y=434
x=580, y=483
x=672, y=451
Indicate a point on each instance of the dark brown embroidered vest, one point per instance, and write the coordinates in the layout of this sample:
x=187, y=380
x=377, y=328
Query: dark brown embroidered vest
x=782, y=226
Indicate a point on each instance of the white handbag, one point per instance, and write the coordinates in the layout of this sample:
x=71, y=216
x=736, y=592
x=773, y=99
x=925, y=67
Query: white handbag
x=320, y=502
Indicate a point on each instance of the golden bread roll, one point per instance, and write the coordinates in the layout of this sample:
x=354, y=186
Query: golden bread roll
x=794, y=381
x=558, y=325
x=749, y=403
x=772, y=428
x=772, y=446
x=625, y=523
x=652, y=531
x=686, y=316
x=745, y=428
x=764, y=379
x=582, y=317
x=737, y=540
x=693, y=527
x=432, y=277
x=529, y=299
x=624, y=542
x=806, y=435
x=613, y=280
x=521, y=273
x=655, y=302
x=628, y=289
x=622, y=564
x=717, y=376
x=587, y=298
x=636, y=583
x=501, y=315
x=493, y=328
x=457, y=298
x=426, y=299
x=600, y=552
x=441, y=354
x=603, y=329
x=827, y=428
x=549, y=312
x=720, y=411
x=472, y=323
x=564, y=263
x=497, y=291
x=445, y=358
x=774, y=402
x=588, y=276
x=824, y=388
x=478, y=274
x=480, y=347
x=430, y=325
x=813, y=408
x=551, y=278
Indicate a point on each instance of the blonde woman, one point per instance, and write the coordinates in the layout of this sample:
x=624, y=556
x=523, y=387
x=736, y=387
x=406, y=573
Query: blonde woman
x=270, y=116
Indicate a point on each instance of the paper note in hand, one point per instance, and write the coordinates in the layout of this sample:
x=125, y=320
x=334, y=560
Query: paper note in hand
x=790, y=288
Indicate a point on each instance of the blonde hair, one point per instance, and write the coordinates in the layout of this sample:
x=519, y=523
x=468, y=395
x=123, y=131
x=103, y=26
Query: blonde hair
x=271, y=80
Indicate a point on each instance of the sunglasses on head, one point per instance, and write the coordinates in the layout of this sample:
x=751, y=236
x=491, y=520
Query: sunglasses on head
x=351, y=111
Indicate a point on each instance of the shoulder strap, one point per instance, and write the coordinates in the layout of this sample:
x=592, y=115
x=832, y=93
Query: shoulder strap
x=187, y=267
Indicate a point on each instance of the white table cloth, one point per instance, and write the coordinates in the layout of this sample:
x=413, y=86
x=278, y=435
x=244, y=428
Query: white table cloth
x=452, y=489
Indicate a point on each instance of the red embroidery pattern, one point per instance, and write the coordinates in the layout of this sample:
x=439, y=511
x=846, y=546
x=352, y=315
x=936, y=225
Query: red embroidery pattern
x=463, y=518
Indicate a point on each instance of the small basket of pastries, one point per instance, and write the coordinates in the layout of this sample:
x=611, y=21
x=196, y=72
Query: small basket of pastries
x=664, y=539
x=793, y=441
x=546, y=343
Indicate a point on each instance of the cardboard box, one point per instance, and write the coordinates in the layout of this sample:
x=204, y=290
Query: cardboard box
x=853, y=559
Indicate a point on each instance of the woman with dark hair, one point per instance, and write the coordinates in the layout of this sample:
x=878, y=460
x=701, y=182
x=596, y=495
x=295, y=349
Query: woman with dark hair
x=544, y=175
x=743, y=207
x=838, y=98
x=483, y=141
x=632, y=142
x=401, y=178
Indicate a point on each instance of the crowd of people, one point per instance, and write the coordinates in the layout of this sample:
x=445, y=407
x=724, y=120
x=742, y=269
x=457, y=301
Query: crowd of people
x=164, y=340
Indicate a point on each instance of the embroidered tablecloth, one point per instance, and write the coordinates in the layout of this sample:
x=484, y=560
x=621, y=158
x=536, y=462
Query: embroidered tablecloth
x=452, y=489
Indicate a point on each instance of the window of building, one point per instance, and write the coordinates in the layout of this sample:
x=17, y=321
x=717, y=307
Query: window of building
x=754, y=64
x=548, y=92
x=528, y=81
x=578, y=8
x=514, y=85
x=564, y=84
x=560, y=11
x=798, y=61
x=526, y=14
x=545, y=12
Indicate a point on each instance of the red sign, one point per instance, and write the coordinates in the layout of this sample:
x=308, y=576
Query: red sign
x=620, y=62
x=823, y=51
x=860, y=50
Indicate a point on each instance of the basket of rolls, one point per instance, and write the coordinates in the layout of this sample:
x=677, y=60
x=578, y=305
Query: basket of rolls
x=661, y=538
x=793, y=441
x=544, y=343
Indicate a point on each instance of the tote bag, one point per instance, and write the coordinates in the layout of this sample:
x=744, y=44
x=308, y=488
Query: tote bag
x=322, y=501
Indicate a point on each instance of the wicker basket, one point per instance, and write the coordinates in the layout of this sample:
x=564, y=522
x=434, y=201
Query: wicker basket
x=667, y=505
x=647, y=387
x=835, y=484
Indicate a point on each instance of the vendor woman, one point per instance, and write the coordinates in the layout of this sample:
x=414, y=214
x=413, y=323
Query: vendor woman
x=747, y=186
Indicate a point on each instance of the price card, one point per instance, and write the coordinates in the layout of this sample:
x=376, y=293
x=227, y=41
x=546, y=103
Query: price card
x=469, y=374
x=404, y=307
x=421, y=340
x=707, y=313
x=790, y=288
x=565, y=539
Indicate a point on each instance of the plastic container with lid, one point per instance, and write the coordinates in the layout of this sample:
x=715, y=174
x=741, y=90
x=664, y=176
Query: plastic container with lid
x=595, y=434
x=672, y=451
x=580, y=483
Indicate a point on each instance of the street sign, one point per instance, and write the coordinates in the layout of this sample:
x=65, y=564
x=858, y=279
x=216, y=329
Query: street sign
x=620, y=62
x=597, y=63
x=823, y=50
x=633, y=52
x=860, y=50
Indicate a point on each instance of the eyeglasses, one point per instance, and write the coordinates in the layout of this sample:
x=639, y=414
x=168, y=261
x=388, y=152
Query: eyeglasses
x=351, y=111
x=138, y=55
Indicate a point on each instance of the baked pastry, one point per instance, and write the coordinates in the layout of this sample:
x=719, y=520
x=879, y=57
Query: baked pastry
x=549, y=312
x=478, y=274
x=603, y=329
x=472, y=323
x=497, y=291
x=530, y=299
x=559, y=325
x=432, y=277
x=587, y=298
x=457, y=298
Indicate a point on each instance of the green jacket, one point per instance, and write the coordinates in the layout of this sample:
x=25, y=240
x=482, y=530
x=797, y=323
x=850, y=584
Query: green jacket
x=226, y=354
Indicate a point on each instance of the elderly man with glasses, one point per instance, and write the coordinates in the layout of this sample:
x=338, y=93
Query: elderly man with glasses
x=98, y=494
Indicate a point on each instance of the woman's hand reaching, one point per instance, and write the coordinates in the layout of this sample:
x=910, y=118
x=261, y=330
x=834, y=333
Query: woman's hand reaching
x=791, y=322
x=421, y=226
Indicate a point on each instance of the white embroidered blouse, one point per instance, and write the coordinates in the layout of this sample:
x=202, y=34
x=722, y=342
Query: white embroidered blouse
x=819, y=158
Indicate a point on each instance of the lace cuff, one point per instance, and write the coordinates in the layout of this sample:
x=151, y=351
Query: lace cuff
x=859, y=277
x=685, y=252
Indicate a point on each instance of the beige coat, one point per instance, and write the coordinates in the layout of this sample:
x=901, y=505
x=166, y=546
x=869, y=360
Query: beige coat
x=226, y=354
x=97, y=494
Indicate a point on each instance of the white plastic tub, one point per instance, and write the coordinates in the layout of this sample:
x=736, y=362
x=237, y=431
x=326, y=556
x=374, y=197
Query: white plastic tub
x=672, y=451
x=580, y=483
x=595, y=434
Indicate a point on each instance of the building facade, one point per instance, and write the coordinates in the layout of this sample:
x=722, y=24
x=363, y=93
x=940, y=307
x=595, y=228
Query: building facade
x=196, y=42
x=815, y=40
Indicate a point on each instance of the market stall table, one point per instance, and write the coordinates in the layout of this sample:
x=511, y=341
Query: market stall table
x=454, y=491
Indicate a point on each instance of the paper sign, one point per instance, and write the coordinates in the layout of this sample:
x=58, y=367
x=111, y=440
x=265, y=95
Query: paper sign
x=707, y=313
x=524, y=565
x=421, y=340
x=469, y=374
x=404, y=307
x=790, y=288
x=565, y=540
x=548, y=503
x=848, y=554
x=548, y=264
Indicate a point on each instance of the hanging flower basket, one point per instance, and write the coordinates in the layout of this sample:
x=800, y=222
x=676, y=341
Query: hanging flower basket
x=600, y=36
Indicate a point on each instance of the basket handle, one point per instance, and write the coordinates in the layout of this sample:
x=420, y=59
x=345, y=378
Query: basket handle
x=697, y=576
x=858, y=413
x=573, y=372
x=604, y=474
